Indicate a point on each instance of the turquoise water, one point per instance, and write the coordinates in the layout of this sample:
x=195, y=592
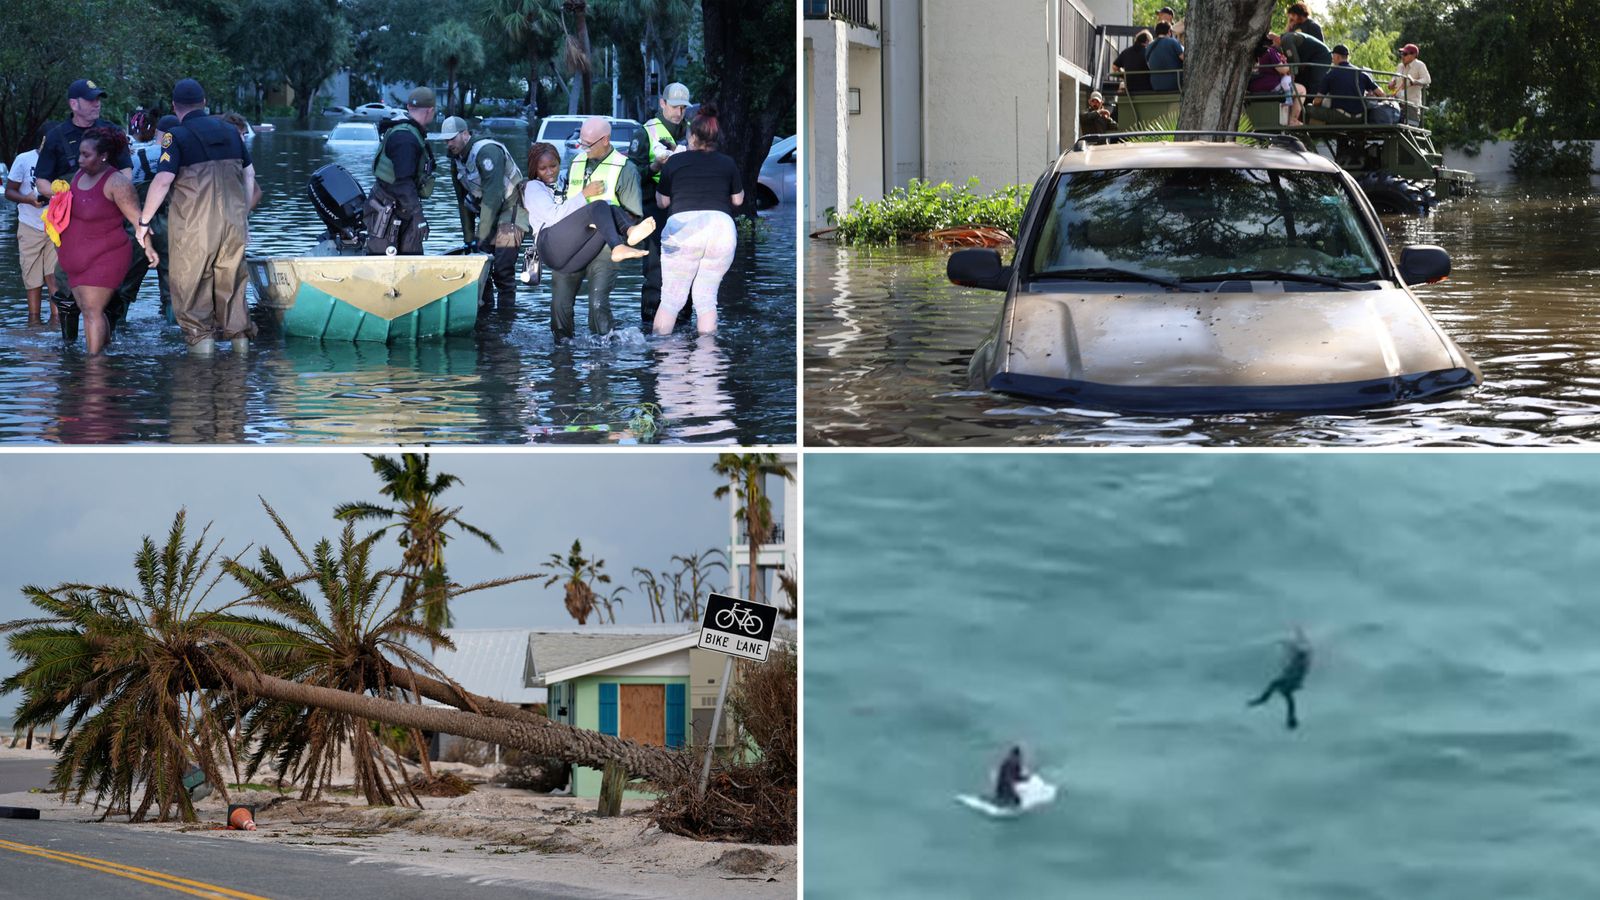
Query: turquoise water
x=1114, y=613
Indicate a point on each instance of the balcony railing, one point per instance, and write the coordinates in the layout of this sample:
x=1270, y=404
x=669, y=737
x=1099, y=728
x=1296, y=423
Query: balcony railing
x=1076, y=34
x=742, y=540
x=851, y=11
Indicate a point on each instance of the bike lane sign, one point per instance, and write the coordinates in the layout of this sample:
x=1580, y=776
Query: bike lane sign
x=738, y=627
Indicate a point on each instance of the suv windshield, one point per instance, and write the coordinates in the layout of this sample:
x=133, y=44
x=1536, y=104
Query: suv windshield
x=1194, y=223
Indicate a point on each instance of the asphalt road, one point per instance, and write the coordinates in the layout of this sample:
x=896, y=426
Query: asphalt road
x=17, y=775
x=64, y=860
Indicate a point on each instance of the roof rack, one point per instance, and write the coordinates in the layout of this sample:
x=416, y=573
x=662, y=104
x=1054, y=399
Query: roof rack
x=1286, y=141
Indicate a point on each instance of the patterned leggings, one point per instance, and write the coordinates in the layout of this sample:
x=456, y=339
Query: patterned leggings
x=696, y=251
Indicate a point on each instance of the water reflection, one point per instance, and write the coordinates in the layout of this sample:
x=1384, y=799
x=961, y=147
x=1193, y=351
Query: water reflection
x=888, y=339
x=509, y=383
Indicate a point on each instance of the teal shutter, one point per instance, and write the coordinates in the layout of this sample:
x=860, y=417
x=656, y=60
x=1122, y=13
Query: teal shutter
x=675, y=715
x=552, y=705
x=608, y=708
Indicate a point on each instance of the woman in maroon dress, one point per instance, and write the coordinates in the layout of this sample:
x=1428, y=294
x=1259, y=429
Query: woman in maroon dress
x=95, y=251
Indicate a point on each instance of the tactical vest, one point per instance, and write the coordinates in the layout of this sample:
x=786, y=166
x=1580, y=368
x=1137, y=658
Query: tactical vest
x=468, y=174
x=655, y=131
x=608, y=171
x=383, y=166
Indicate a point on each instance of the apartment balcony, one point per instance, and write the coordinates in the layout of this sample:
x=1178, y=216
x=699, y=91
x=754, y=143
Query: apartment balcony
x=852, y=12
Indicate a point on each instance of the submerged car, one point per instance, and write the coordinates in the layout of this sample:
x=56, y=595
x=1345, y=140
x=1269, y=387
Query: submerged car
x=1208, y=276
x=776, y=181
x=353, y=133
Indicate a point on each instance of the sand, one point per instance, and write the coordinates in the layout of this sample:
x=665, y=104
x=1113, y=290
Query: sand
x=492, y=833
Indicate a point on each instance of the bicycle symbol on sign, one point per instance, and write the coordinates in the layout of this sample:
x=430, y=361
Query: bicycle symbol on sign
x=744, y=617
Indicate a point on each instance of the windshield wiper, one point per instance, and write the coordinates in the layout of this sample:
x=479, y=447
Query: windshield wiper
x=1274, y=275
x=1108, y=273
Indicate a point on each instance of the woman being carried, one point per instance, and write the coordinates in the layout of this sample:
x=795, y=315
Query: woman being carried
x=567, y=236
x=95, y=251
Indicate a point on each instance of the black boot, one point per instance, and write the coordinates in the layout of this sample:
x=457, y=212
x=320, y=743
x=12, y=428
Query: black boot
x=67, y=315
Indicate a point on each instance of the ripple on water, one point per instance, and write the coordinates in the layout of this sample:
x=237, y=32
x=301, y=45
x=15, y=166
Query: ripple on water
x=888, y=340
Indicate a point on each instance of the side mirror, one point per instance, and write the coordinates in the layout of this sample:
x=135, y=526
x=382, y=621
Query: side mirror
x=979, y=269
x=1424, y=264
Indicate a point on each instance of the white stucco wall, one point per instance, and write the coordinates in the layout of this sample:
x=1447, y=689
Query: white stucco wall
x=866, y=129
x=1493, y=161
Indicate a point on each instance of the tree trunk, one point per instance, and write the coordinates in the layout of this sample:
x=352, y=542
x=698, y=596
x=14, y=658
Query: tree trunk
x=555, y=740
x=1217, y=62
x=588, y=62
x=422, y=754
x=749, y=110
x=450, y=89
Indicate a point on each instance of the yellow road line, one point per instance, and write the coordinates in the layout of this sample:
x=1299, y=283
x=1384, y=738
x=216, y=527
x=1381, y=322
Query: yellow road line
x=160, y=879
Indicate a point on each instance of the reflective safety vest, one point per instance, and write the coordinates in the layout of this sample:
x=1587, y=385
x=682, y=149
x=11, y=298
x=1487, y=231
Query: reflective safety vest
x=470, y=179
x=607, y=171
x=383, y=166
x=655, y=131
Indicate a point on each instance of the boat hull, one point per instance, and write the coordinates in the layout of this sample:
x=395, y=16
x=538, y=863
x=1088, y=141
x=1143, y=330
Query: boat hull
x=383, y=299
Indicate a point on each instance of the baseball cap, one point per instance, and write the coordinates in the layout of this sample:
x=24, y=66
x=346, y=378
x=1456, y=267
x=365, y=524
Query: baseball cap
x=1168, y=10
x=84, y=89
x=167, y=122
x=1095, y=95
x=453, y=126
x=188, y=92
x=676, y=94
x=421, y=97
x=1340, y=49
x=1409, y=48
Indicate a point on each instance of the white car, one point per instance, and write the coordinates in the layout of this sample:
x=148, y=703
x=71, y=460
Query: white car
x=353, y=133
x=376, y=112
x=776, y=182
x=337, y=112
x=562, y=131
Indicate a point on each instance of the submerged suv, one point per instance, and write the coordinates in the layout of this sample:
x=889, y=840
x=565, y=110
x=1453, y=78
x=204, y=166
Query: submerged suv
x=1203, y=276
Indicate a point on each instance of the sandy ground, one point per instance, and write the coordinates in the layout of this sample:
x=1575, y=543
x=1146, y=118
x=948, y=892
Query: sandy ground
x=491, y=833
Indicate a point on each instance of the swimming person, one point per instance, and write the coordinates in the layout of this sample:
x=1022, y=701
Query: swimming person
x=1296, y=662
x=1011, y=774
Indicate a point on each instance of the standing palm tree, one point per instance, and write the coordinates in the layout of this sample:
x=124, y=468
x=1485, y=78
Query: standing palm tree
x=580, y=575
x=747, y=474
x=699, y=566
x=421, y=523
x=579, y=54
x=654, y=591
x=453, y=45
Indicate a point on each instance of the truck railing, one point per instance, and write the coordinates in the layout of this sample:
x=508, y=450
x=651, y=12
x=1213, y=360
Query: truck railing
x=1411, y=113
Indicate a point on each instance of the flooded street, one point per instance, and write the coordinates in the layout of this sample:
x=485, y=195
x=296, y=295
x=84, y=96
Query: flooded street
x=887, y=341
x=508, y=384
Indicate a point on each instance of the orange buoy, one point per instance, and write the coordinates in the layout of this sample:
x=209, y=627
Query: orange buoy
x=241, y=818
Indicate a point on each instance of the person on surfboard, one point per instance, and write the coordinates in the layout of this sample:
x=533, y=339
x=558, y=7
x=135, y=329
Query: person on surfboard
x=1297, y=661
x=1011, y=774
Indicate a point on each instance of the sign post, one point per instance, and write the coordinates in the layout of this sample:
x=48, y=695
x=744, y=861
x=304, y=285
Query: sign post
x=737, y=628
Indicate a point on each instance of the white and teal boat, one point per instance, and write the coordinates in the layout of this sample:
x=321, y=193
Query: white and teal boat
x=387, y=299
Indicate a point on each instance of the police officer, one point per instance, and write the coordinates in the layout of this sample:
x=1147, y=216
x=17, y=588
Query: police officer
x=489, y=195
x=663, y=136
x=146, y=162
x=599, y=172
x=205, y=164
x=402, y=178
x=58, y=159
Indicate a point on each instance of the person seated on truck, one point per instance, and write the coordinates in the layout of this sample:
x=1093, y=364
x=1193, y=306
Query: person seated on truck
x=1164, y=53
x=1272, y=77
x=1346, y=87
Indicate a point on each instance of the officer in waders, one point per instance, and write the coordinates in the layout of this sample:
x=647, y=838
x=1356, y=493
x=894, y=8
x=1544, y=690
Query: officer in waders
x=207, y=168
x=598, y=172
x=489, y=195
x=402, y=178
x=58, y=160
x=663, y=136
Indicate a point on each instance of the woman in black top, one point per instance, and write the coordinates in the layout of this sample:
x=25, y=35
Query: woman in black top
x=699, y=190
x=1131, y=63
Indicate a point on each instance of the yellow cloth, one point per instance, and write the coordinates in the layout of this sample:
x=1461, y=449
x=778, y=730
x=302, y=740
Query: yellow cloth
x=59, y=213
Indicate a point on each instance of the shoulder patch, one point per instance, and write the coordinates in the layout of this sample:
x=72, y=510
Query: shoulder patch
x=166, y=139
x=488, y=164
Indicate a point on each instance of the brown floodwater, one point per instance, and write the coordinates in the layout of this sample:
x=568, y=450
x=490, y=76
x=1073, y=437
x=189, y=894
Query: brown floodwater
x=887, y=340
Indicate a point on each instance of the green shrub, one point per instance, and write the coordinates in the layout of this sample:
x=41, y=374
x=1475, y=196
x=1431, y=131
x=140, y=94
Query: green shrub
x=921, y=207
x=1538, y=156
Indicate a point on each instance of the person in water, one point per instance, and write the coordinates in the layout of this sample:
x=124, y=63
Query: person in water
x=1011, y=774
x=1296, y=662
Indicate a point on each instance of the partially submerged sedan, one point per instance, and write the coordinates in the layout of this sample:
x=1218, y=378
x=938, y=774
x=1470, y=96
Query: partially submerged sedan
x=1202, y=276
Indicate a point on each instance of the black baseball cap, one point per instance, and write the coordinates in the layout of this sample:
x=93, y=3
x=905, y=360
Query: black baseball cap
x=1166, y=9
x=1340, y=49
x=84, y=89
x=167, y=122
x=188, y=92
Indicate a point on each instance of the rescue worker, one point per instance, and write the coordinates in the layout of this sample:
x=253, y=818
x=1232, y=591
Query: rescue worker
x=58, y=160
x=664, y=135
x=207, y=168
x=146, y=160
x=598, y=172
x=489, y=195
x=402, y=178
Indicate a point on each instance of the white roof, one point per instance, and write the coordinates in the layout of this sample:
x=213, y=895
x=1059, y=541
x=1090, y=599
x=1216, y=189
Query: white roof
x=491, y=662
x=552, y=649
x=625, y=657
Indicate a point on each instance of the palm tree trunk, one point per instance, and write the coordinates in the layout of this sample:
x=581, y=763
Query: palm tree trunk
x=588, y=62
x=553, y=740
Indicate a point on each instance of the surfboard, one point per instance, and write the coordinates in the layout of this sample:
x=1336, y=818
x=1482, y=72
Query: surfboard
x=1033, y=793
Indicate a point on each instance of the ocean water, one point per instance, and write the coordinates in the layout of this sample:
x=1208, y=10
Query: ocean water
x=1113, y=614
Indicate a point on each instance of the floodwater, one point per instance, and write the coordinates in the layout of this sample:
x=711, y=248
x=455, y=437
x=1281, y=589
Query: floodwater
x=510, y=383
x=1114, y=616
x=887, y=340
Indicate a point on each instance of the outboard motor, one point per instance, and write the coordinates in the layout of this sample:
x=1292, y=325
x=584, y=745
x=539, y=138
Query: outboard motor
x=340, y=203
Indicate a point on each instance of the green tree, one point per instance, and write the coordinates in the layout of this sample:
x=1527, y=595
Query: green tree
x=580, y=574
x=422, y=527
x=749, y=74
x=303, y=41
x=453, y=45
x=747, y=474
x=697, y=567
